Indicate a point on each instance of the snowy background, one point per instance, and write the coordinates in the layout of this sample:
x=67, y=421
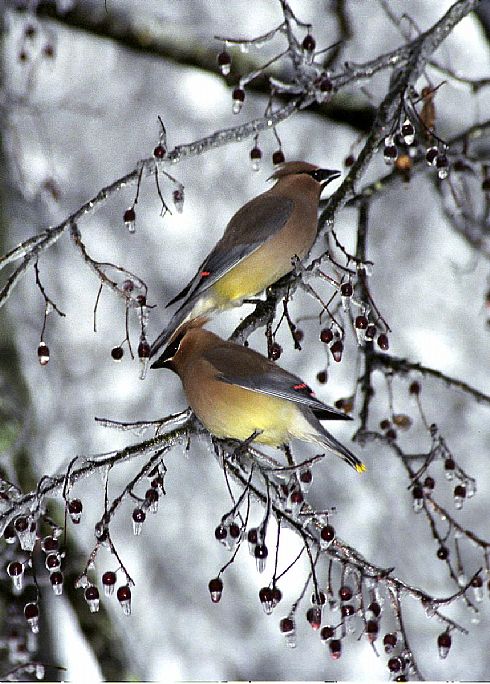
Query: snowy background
x=85, y=119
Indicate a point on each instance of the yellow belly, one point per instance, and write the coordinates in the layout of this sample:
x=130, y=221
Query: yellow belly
x=250, y=277
x=237, y=413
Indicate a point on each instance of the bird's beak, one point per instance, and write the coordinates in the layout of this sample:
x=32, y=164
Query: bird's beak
x=327, y=175
x=162, y=362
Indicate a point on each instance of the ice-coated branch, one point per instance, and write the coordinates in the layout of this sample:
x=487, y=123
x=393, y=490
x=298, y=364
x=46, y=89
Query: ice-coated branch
x=474, y=133
x=404, y=367
x=340, y=550
x=32, y=502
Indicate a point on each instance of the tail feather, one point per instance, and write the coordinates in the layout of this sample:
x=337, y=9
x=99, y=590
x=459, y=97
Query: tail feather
x=324, y=438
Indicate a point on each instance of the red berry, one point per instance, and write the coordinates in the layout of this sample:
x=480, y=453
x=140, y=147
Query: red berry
x=309, y=43
x=418, y=492
x=31, y=610
x=326, y=633
x=91, y=593
x=215, y=589
x=345, y=593
x=337, y=348
x=266, y=595
x=43, y=353
x=224, y=59
x=253, y=536
x=21, y=524
x=326, y=86
x=298, y=335
x=75, y=507
x=326, y=335
x=159, y=152
x=276, y=351
x=306, y=476
x=335, y=647
x=278, y=157
x=383, y=342
x=238, y=94
x=123, y=593
x=139, y=516
x=129, y=215
x=395, y=664
x=442, y=162
x=321, y=376
x=286, y=625
x=414, y=387
x=370, y=332
x=261, y=551
x=234, y=530
x=431, y=154
x=109, y=578
x=117, y=353
x=346, y=290
x=327, y=533
x=144, y=350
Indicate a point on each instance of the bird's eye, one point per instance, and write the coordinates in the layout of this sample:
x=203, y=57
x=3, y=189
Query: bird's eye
x=317, y=175
x=324, y=176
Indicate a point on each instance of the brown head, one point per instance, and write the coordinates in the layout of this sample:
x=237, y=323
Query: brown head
x=189, y=339
x=293, y=170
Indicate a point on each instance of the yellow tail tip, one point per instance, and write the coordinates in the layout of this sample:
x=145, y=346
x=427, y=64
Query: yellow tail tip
x=361, y=468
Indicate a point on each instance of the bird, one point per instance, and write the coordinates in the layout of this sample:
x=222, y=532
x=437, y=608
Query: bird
x=239, y=394
x=257, y=247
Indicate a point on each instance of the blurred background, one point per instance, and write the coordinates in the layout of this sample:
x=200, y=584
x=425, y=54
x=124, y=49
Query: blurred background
x=80, y=103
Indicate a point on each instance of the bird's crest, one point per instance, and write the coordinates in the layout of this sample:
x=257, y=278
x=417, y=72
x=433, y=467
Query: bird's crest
x=291, y=168
x=182, y=329
x=175, y=340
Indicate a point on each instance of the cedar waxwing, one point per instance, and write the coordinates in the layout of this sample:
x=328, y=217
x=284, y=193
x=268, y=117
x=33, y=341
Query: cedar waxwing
x=237, y=393
x=257, y=246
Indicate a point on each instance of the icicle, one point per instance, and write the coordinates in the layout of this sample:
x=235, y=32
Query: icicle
x=224, y=62
x=124, y=598
x=26, y=532
x=43, y=353
x=178, y=198
x=216, y=589
x=92, y=598
x=130, y=219
x=390, y=152
x=109, y=582
x=56, y=579
x=238, y=99
x=15, y=571
x=314, y=617
x=261, y=552
x=443, y=644
x=31, y=613
x=408, y=132
x=287, y=628
x=139, y=517
x=266, y=598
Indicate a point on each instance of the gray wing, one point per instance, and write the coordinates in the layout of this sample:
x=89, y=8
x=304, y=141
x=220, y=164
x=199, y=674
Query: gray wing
x=237, y=365
x=252, y=225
